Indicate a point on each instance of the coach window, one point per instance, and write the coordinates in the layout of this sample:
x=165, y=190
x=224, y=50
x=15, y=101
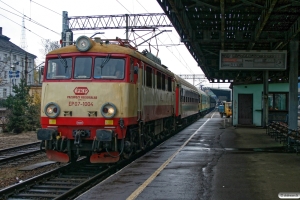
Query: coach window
x=131, y=70
x=59, y=68
x=163, y=82
x=154, y=82
x=169, y=84
x=149, y=77
x=158, y=80
x=181, y=94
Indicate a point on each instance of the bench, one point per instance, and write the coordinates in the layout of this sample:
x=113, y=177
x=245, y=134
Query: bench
x=293, y=142
x=280, y=132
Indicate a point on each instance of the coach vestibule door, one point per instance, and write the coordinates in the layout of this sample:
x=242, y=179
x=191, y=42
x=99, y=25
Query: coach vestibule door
x=245, y=109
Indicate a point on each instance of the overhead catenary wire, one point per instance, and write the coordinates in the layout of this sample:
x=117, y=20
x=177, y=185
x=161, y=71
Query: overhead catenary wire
x=182, y=60
x=124, y=7
x=45, y=7
x=26, y=17
x=180, y=55
x=24, y=27
x=184, y=64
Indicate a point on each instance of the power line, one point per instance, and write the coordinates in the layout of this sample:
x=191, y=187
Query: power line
x=171, y=41
x=180, y=55
x=184, y=64
x=142, y=6
x=123, y=6
x=27, y=18
x=24, y=27
x=45, y=7
x=180, y=61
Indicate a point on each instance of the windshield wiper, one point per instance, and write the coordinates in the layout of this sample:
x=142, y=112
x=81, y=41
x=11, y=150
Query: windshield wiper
x=106, y=59
x=63, y=61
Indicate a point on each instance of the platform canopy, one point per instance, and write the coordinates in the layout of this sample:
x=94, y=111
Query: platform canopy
x=209, y=26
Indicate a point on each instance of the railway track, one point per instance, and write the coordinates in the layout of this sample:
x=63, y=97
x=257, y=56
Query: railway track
x=69, y=181
x=16, y=153
x=66, y=182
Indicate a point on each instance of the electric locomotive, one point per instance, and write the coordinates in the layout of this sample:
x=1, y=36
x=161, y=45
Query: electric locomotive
x=105, y=100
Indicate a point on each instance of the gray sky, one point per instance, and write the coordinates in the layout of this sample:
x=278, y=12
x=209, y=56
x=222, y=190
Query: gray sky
x=48, y=14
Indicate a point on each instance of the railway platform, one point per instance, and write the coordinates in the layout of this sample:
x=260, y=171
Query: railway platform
x=210, y=159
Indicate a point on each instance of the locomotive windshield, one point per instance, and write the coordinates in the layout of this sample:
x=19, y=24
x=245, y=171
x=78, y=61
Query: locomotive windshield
x=104, y=68
x=83, y=67
x=109, y=68
x=59, y=68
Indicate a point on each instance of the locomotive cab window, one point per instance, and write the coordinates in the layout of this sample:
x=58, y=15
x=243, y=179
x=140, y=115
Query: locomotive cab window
x=83, y=67
x=109, y=68
x=59, y=68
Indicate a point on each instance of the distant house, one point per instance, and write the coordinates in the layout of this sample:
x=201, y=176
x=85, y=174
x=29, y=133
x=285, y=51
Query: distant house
x=13, y=61
x=35, y=89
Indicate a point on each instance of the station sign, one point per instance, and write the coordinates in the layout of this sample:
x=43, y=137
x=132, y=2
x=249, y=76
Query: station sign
x=253, y=60
x=14, y=74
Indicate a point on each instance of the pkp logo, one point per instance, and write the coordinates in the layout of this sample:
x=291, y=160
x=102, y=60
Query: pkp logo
x=81, y=90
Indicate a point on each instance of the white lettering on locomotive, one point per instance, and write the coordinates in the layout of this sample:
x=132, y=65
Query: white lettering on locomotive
x=81, y=90
x=78, y=103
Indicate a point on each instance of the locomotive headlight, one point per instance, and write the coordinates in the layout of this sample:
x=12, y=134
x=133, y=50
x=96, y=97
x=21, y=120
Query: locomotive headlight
x=52, y=110
x=108, y=110
x=83, y=43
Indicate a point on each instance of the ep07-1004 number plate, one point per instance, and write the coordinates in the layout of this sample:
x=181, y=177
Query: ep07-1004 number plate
x=76, y=103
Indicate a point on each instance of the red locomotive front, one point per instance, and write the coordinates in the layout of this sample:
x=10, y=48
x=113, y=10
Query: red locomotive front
x=88, y=101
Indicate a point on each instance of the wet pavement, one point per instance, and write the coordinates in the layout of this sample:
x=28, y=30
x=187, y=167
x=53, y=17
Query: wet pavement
x=210, y=159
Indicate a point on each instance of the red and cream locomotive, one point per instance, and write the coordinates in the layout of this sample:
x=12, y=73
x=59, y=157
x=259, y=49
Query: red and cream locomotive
x=106, y=100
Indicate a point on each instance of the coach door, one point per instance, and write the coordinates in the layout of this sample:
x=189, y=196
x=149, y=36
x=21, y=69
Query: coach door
x=245, y=109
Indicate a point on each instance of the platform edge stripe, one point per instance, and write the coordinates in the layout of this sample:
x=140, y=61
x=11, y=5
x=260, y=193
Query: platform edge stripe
x=139, y=190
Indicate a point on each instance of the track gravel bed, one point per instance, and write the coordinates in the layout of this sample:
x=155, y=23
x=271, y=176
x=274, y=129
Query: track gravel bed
x=10, y=174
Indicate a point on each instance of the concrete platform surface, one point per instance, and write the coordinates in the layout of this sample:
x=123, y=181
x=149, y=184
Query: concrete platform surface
x=210, y=159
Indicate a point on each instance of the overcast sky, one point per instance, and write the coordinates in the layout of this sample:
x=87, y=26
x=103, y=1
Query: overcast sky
x=49, y=14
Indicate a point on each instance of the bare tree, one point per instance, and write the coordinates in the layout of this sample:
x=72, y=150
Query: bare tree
x=48, y=46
